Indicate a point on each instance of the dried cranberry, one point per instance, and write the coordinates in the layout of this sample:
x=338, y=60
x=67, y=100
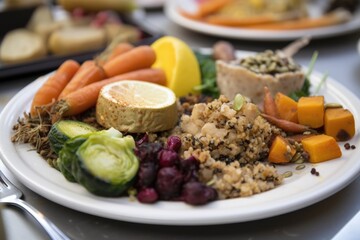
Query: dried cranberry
x=147, y=174
x=189, y=168
x=147, y=152
x=196, y=193
x=143, y=139
x=147, y=195
x=174, y=143
x=168, y=183
x=168, y=158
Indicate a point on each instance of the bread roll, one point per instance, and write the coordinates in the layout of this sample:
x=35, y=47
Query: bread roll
x=76, y=39
x=21, y=45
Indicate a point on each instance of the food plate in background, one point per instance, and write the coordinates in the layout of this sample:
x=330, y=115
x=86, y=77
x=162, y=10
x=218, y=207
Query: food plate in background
x=298, y=191
x=50, y=62
x=150, y=3
x=315, y=7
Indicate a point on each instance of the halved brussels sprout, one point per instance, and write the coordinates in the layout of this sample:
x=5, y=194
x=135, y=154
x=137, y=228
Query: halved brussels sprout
x=104, y=163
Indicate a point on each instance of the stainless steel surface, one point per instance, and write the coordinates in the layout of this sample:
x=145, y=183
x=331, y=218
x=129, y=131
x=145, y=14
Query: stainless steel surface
x=337, y=56
x=10, y=194
x=351, y=230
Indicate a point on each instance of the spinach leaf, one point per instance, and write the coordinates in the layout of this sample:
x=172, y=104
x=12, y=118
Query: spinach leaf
x=208, y=75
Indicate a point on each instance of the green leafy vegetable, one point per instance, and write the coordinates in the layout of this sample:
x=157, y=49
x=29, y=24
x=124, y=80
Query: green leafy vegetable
x=208, y=75
x=305, y=90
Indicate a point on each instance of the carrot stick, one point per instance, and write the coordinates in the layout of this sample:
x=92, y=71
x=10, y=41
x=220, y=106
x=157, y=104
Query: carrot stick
x=205, y=8
x=111, y=53
x=137, y=58
x=334, y=18
x=52, y=88
x=88, y=73
x=269, y=103
x=119, y=49
x=299, y=137
x=86, y=97
x=285, y=125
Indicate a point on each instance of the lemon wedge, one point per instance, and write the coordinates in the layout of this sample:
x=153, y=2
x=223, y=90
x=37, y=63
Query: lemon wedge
x=179, y=63
x=136, y=107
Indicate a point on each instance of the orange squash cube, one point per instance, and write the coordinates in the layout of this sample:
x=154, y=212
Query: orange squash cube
x=311, y=111
x=281, y=151
x=339, y=123
x=286, y=107
x=321, y=148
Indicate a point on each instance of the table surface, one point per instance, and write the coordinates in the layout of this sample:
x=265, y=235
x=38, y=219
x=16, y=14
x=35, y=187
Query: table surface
x=337, y=56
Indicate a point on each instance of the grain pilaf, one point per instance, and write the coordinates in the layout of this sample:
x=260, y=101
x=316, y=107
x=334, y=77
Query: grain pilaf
x=230, y=146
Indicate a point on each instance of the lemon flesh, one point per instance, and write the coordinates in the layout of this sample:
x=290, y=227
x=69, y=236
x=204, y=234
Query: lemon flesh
x=136, y=107
x=179, y=63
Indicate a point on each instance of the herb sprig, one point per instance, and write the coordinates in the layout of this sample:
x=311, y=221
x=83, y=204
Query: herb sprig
x=208, y=75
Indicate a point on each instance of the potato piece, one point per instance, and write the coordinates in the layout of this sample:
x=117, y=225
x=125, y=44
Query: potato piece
x=339, y=123
x=21, y=45
x=76, y=39
x=321, y=148
x=286, y=107
x=311, y=111
x=281, y=151
x=41, y=15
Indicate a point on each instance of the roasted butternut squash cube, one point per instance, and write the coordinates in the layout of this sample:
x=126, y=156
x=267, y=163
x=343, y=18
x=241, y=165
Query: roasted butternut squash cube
x=311, y=111
x=281, y=151
x=286, y=107
x=339, y=123
x=321, y=148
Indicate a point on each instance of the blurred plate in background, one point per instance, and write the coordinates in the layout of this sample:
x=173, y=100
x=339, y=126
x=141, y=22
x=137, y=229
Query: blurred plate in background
x=314, y=7
x=150, y=3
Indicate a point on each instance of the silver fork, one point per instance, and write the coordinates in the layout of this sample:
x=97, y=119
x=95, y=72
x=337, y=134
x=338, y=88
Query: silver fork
x=9, y=194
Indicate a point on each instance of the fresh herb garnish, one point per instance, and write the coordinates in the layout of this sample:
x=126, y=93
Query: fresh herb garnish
x=305, y=90
x=208, y=75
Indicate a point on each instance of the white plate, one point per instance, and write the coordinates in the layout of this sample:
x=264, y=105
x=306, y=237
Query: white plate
x=302, y=189
x=150, y=3
x=171, y=10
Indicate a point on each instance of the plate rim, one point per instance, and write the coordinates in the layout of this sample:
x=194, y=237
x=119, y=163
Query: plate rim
x=201, y=215
x=261, y=35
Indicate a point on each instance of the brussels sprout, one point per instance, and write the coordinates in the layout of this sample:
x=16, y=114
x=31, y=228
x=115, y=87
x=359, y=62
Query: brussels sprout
x=103, y=162
x=67, y=156
x=63, y=130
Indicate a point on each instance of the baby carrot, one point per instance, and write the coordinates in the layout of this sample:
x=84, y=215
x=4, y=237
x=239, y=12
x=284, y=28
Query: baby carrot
x=269, y=103
x=88, y=73
x=86, y=97
x=111, y=53
x=137, y=58
x=119, y=49
x=299, y=137
x=285, y=125
x=52, y=88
